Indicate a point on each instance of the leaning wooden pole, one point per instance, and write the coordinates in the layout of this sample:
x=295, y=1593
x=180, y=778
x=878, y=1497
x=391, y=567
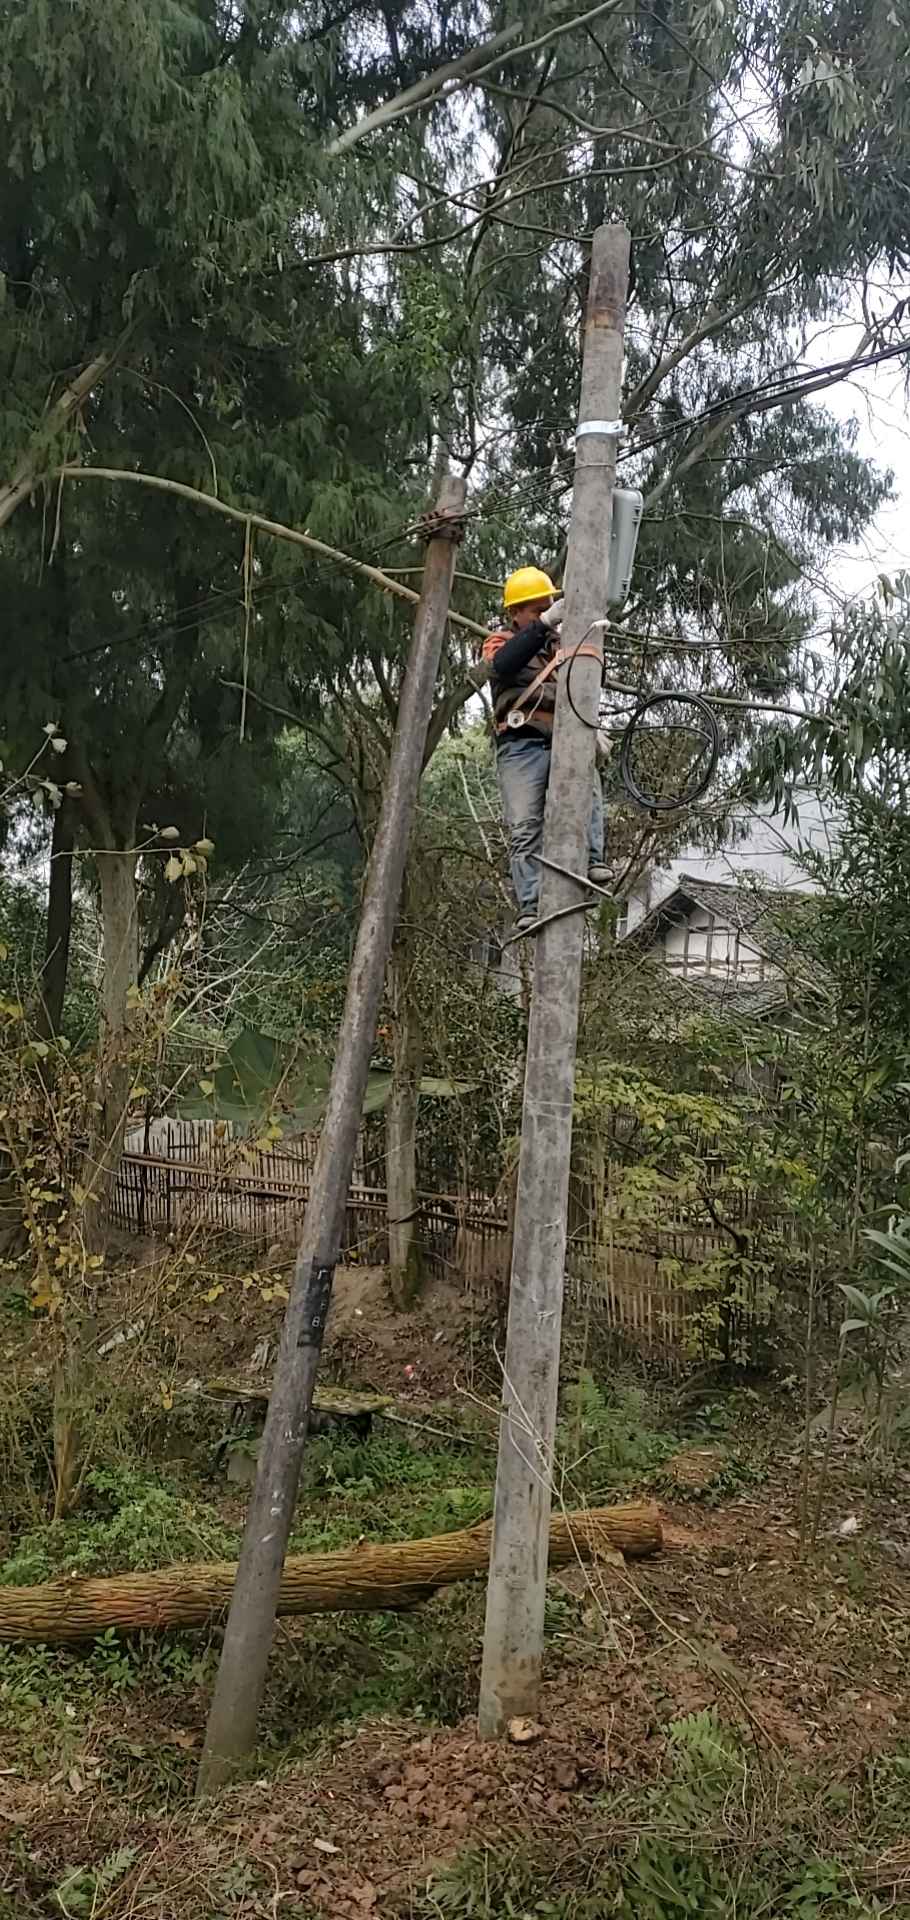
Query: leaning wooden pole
x=355, y=1579
x=231, y=1730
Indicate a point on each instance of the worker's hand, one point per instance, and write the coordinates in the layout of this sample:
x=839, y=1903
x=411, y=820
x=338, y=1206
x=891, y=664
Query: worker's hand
x=554, y=615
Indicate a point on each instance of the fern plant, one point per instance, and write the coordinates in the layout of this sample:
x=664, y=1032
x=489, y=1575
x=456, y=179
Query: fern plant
x=601, y=1441
x=699, y=1850
x=80, y=1894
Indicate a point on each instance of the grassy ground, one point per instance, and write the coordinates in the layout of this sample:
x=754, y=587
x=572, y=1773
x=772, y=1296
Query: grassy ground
x=723, y=1730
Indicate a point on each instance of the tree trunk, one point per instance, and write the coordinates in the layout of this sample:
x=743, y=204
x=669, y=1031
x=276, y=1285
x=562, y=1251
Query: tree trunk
x=66, y=1426
x=59, y=924
x=120, y=950
x=354, y=1579
x=405, y=1265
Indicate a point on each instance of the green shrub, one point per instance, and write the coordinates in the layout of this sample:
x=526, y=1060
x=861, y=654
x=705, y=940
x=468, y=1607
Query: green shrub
x=128, y=1521
x=605, y=1440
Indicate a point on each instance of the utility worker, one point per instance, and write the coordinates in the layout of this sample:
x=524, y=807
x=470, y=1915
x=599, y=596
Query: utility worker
x=523, y=660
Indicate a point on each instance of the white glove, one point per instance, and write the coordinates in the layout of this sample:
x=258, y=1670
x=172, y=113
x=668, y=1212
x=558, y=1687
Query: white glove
x=554, y=615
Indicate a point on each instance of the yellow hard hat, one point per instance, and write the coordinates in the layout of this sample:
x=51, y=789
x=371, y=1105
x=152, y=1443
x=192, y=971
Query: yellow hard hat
x=527, y=583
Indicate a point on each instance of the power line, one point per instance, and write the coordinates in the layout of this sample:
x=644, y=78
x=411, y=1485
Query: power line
x=194, y=613
x=185, y=616
x=790, y=389
x=828, y=374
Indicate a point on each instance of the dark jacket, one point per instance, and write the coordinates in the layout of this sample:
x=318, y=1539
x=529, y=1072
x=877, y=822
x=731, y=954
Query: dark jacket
x=516, y=660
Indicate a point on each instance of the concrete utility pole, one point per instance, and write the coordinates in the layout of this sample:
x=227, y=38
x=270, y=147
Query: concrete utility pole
x=513, y=1641
x=231, y=1730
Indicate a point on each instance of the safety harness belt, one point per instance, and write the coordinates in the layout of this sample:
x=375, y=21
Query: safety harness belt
x=516, y=716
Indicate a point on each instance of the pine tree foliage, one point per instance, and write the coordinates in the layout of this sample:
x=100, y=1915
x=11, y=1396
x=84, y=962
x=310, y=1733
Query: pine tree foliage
x=160, y=165
x=312, y=330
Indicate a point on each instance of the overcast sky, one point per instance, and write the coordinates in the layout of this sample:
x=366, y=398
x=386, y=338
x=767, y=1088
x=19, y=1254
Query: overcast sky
x=876, y=399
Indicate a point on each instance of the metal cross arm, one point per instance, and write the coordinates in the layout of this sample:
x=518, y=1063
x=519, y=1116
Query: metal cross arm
x=580, y=906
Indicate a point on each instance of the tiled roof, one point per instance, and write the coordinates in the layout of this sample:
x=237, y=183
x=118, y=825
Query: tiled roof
x=746, y=999
x=775, y=921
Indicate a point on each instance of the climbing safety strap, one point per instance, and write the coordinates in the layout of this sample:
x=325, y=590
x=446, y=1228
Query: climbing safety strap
x=517, y=716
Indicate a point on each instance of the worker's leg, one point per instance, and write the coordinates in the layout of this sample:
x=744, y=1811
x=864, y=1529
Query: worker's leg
x=524, y=769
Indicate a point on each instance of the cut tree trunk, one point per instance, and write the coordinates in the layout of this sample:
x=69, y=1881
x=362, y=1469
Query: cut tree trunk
x=356, y=1579
x=401, y=1133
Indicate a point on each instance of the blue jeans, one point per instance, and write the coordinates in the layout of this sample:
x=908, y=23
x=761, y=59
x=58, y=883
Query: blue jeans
x=523, y=767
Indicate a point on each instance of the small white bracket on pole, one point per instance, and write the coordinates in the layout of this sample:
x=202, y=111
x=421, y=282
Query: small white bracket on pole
x=616, y=427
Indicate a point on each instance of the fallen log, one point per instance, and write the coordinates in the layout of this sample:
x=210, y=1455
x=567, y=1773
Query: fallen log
x=341, y=1403
x=357, y=1579
x=333, y=1407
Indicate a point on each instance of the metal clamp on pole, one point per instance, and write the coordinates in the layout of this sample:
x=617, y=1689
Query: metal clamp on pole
x=617, y=428
x=439, y=525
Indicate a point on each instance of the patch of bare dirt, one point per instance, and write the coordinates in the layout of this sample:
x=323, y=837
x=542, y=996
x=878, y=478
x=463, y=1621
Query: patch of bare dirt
x=212, y=1319
x=807, y=1663
x=351, y=1836
x=416, y=1356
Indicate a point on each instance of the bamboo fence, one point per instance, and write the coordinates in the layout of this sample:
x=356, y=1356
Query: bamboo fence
x=642, y=1281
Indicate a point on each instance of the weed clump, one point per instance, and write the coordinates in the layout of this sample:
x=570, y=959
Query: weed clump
x=128, y=1522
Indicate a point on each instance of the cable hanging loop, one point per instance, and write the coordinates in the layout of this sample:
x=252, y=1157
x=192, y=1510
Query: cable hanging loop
x=645, y=707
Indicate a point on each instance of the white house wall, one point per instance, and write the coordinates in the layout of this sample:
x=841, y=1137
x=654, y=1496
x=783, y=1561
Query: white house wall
x=700, y=945
x=768, y=849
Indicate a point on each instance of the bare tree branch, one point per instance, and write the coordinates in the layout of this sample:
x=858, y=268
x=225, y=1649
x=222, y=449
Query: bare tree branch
x=462, y=72
x=712, y=323
x=753, y=403
x=454, y=71
x=342, y=777
x=630, y=132
x=273, y=527
x=28, y=472
x=382, y=682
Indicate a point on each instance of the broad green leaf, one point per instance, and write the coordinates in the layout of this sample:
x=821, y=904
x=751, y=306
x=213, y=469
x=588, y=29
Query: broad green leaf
x=857, y=1299
x=260, y=1074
